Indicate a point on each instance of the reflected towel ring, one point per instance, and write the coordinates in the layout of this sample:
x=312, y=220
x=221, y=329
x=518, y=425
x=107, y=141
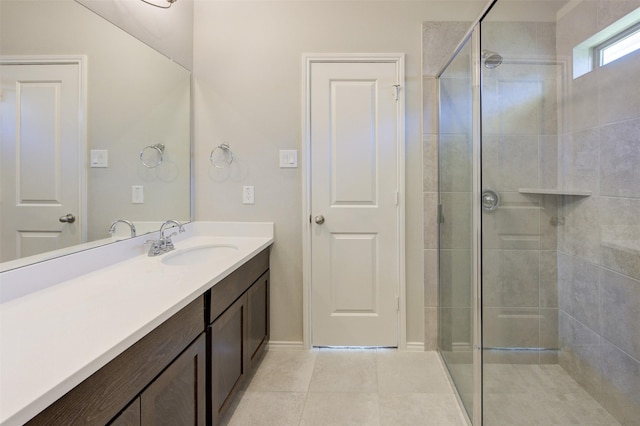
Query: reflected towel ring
x=158, y=150
x=224, y=157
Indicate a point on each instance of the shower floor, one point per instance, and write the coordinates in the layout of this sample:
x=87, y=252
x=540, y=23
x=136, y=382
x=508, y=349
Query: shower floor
x=538, y=395
x=524, y=394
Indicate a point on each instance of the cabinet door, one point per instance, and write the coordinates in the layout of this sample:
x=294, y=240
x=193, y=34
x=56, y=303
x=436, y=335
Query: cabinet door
x=177, y=396
x=228, y=355
x=130, y=416
x=258, y=310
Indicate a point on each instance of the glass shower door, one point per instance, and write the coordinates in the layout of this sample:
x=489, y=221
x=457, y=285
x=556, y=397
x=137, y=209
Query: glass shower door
x=522, y=120
x=456, y=325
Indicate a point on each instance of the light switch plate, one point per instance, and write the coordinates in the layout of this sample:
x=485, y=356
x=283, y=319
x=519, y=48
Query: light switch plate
x=99, y=158
x=288, y=158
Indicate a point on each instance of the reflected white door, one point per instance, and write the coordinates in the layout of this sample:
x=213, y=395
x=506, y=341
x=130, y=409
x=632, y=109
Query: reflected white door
x=354, y=144
x=40, y=158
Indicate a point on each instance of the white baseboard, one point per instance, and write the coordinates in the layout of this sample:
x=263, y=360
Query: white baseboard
x=415, y=347
x=282, y=345
x=461, y=347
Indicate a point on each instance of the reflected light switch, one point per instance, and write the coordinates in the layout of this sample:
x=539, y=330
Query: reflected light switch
x=288, y=158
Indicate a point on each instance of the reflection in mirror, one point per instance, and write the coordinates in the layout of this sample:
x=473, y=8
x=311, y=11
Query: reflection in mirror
x=81, y=99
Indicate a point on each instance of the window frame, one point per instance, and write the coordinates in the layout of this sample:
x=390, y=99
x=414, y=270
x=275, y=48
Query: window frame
x=599, y=50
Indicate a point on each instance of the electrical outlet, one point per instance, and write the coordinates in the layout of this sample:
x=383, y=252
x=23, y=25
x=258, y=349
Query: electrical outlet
x=137, y=194
x=248, y=195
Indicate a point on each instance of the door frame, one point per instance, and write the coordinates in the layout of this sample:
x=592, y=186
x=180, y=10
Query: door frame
x=81, y=62
x=308, y=60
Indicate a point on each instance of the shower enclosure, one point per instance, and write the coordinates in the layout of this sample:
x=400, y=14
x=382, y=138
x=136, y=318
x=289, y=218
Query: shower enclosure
x=539, y=214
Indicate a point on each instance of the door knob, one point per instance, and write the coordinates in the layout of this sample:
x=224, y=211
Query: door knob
x=68, y=218
x=319, y=219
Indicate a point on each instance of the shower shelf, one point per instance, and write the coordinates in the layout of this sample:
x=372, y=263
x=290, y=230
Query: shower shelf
x=543, y=191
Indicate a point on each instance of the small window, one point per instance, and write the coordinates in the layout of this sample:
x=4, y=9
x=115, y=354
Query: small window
x=611, y=43
x=618, y=46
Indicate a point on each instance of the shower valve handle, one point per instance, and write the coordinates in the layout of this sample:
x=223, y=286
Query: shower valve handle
x=490, y=200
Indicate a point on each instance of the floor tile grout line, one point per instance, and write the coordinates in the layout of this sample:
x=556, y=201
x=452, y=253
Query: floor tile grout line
x=306, y=395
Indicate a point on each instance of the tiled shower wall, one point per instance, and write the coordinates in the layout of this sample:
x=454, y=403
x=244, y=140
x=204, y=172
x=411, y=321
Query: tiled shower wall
x=599, y=242
x=520, y=123
x=439, y=41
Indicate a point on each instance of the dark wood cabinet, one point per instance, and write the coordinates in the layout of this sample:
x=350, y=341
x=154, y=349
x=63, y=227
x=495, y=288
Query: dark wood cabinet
x=104, y=394
x=258, y=318
x=238, y=332
x=228, y=359
x=187, y=370
x=131, y=416
x=177, y=396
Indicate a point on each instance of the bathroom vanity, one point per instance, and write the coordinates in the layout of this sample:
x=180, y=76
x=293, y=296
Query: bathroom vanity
x=237, y=329
x=167, y=338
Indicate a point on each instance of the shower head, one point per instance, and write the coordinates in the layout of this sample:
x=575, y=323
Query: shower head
x=491, y=59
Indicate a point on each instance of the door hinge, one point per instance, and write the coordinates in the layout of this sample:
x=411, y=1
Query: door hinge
x=397, y=303
x=397, y=198
x=396, y=91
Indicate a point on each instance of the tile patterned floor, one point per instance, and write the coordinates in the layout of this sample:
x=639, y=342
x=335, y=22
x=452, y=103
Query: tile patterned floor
x=538, y=395
x=347, y=387
x=386, y=387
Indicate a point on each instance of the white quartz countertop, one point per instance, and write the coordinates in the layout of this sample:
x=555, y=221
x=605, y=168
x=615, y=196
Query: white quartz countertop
x=58, y=335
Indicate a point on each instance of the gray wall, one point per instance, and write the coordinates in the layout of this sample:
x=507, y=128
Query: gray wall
x=599, y=244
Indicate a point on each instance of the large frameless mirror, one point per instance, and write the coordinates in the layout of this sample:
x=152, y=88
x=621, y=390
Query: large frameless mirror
x=85, y=110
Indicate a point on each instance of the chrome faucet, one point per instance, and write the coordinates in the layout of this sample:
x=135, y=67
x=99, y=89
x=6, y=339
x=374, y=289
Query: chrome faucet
x=164, y=244
x=112, y=228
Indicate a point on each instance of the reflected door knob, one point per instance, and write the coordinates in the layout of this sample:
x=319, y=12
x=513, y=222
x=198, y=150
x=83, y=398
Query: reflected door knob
x=319, y=219
x=68, y=218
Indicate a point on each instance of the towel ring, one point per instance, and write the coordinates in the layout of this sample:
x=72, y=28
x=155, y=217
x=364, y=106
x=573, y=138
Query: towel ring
x=225, y=157
x=156, y=149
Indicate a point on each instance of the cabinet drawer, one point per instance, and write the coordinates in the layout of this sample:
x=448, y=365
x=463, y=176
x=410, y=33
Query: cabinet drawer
x=224, y=293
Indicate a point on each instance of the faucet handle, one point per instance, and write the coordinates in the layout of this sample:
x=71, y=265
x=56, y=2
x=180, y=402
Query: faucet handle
x=167, y=243
x=154, y=247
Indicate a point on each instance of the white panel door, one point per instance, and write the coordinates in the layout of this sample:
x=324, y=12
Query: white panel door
x=354, y=145
x=40, y=146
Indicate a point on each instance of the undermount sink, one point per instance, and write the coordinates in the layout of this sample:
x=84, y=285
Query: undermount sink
x=197, y=255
